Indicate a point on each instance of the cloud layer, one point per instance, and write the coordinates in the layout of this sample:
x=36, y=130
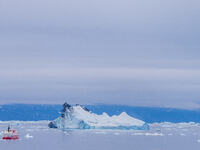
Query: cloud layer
x=116, y=52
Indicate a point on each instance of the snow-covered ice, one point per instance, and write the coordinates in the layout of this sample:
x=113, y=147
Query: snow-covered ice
x=28, y=136
x=79, y=117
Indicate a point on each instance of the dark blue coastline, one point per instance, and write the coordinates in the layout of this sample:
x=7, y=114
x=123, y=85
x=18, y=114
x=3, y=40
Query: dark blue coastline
x=33, y=112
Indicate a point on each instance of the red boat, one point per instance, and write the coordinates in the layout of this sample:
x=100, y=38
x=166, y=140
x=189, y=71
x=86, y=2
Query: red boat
x=10, y=134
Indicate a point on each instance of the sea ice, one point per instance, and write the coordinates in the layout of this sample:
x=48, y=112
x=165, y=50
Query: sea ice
x=28, y=136
x=149, y=134
x=51, y=139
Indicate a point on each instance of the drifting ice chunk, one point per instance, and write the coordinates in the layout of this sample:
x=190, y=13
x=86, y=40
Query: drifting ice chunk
x=28, y=136
x=79, y=117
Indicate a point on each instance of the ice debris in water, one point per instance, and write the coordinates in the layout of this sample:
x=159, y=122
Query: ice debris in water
x=79, y=117
x=28, y=136
x=149, y=134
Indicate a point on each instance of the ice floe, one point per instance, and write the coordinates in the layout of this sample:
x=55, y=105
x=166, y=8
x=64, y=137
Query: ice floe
x=28, y=136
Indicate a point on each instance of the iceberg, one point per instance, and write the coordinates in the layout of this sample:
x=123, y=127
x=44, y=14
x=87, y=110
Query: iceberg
x=79, y=117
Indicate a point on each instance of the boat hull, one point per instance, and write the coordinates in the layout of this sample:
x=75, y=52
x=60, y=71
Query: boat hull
x=11, y=138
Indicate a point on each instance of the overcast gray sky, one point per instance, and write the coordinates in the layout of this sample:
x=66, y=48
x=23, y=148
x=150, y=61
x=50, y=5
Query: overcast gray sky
x=134, y=52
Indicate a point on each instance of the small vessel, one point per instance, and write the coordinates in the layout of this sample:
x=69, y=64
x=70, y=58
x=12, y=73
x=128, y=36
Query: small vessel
x=10, y=134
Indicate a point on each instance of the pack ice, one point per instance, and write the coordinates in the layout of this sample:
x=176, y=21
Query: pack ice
x=79, y=117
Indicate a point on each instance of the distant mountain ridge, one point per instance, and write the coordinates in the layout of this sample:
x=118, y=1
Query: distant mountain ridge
x=37, y=112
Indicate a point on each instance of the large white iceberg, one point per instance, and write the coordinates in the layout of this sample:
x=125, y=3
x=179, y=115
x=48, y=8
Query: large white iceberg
x=79, y=117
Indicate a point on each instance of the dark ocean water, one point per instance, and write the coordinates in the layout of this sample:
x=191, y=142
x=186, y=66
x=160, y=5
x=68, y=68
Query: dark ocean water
x=32, y=112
